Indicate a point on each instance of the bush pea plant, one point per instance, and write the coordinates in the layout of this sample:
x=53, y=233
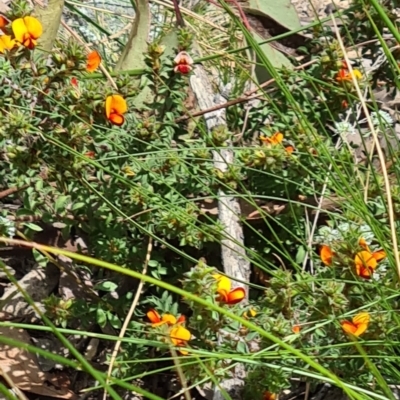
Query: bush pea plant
x=116, y=156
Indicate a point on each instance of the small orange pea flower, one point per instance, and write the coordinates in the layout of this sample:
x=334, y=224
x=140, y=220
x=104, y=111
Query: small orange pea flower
x=157, y=320
x=289, y=149
x=183, y=63
x=27, y=30
x=345, y=75
x=6, y=43
x=345, y=103
x=74, y=81
x=179, y=337
x=326, y=254
x=276, y=138
x=358, y=325
x=296, y=329
x=93, y=61
x=269, y=396
x=226, y=295
x=116, y=107
x=366, y=261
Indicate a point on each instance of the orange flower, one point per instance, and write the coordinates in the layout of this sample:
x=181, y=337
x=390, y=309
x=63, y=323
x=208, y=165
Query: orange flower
x=358, y=325
x=27, y=30
x=326, y=254
x=289, y=149
x=115, y=109
x=276, y=138
x=269, y=396
x=157, y=320
x=226, y=295
x=179, y=337
x=296, y=329
x=183, y=63
x=345, y=75
x=74, y=81
x=93, y=61
x=366, y=261
x=6, y=43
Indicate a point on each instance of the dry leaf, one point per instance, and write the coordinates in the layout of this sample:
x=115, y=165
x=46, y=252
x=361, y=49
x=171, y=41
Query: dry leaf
x=23, y=368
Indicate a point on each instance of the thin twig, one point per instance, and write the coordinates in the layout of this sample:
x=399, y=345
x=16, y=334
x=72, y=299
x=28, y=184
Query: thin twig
x=129, y=315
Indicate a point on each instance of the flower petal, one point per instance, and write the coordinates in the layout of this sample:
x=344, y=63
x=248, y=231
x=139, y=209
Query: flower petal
x=179, y=335
x=236, y=295
x=181, y=319
x=33, y=26
x=169, y=319
x=223, y=283
x=19, y=28
x=277, y=138
x=379, y=255
x=364, y=272
x=326, y=254
x=296, y=329
x=153, y=316
x=93, y=61
x=348, y=327
x=119, y=104
x=365, y=259
x=3, y=22
x=6, y=43
x=116, y=119
x=109, y=100
x=361, y=318
x=363, y=244
x=361, y=328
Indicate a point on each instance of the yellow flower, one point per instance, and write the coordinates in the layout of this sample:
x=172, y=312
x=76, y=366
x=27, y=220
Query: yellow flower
x=27, y=30
x=6, y=43
x=179, y=337
x=276, y=138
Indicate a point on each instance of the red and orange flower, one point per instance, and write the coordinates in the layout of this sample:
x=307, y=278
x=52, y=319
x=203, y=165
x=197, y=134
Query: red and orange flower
x=116, y=107
x=358, y=325
x=178, y=334
x=366, y=261
x=225, y=292
x=27, y=30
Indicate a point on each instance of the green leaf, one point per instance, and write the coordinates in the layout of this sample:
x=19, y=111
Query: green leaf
x=33, y=227
x=282, y=11
x=101, y=317
x=40, y=258
x=60, y=204
x=114, y=320
x=132, y=57
x=50, y=17
x=106, y=286
x=276, y=58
